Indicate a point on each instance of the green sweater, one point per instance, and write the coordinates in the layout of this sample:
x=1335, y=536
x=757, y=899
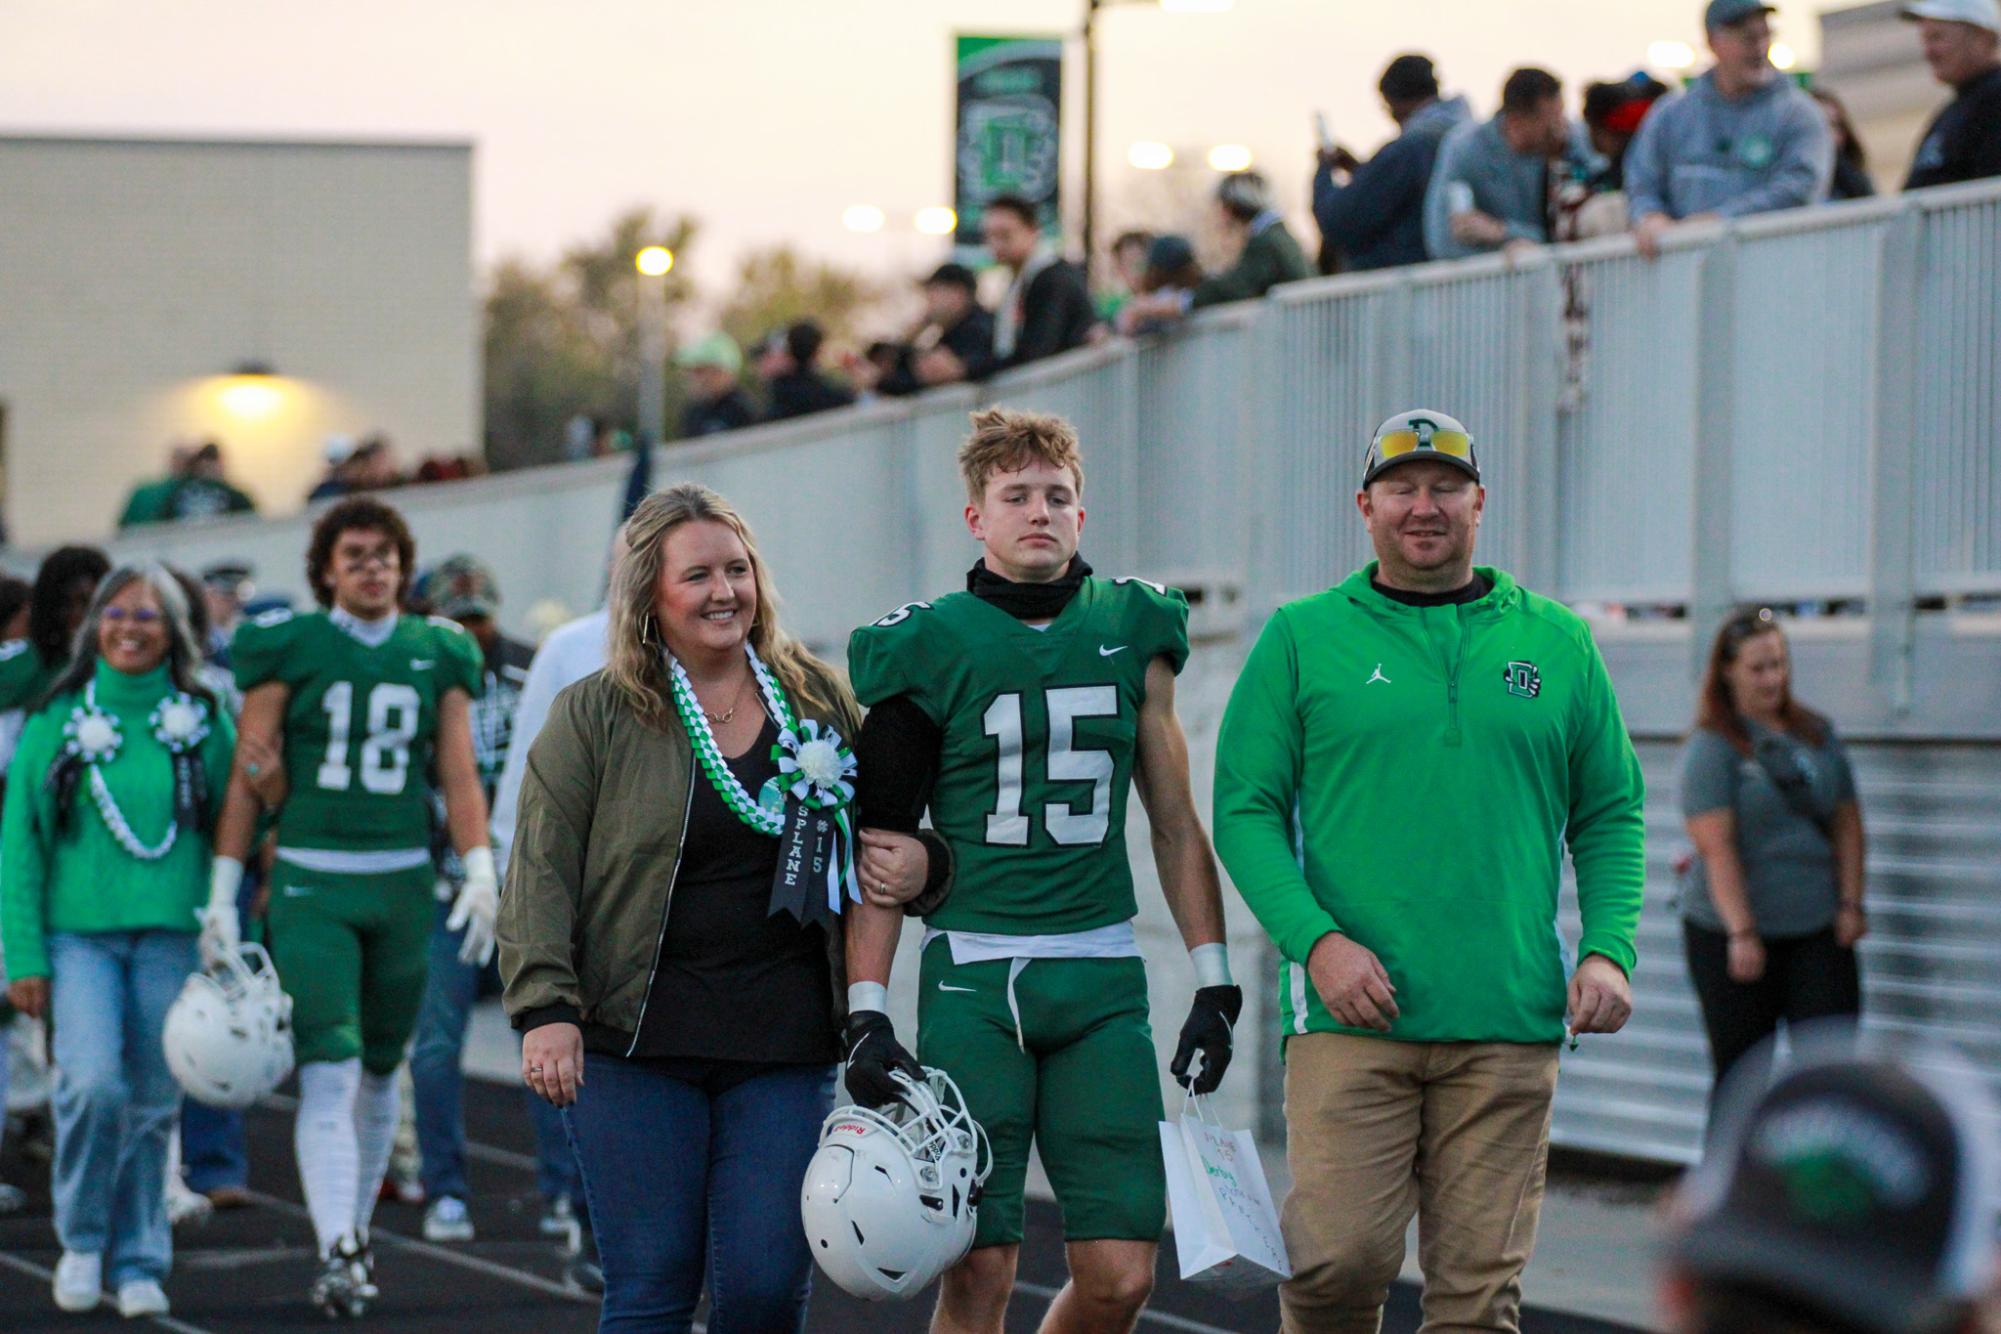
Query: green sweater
x=82, y=880
x=1407, y=776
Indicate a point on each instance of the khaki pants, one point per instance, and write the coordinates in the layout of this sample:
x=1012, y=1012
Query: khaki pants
x=1457, y=1132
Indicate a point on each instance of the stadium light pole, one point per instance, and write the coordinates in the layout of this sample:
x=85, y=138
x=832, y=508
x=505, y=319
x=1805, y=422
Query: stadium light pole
x=654, y=263
x=1091, y=9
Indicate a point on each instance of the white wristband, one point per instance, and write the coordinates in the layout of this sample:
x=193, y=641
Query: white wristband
x=868, y=996
x=225, y=878
x=1212, y=964
x=479, y=864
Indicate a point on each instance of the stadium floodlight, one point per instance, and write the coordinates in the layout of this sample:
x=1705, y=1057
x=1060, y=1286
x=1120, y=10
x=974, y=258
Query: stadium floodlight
x=937, y=221
x=1146, y=155
x=1783, y=56
x=1230, y=157
x=1672, y=56
x=862, y=218
x=655, y=261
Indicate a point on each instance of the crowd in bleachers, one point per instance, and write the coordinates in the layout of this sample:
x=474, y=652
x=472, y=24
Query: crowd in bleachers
x=1641, y=158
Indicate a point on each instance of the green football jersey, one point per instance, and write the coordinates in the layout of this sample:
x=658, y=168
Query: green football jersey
x=23, y=677
x=360, y=723
x=1039, y=735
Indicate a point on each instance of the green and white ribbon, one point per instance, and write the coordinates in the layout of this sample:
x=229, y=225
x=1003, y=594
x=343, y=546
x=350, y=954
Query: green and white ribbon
x=179, y=722
x=816, y=769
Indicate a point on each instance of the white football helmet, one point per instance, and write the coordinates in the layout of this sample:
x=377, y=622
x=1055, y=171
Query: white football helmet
x=889, y=1198
x=228, y=1036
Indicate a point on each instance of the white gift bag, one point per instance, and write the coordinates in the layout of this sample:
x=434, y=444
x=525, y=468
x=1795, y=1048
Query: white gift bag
x=1225, y=1226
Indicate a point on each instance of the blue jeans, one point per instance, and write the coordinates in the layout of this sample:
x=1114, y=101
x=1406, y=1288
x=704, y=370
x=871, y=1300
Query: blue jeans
x=212, y=1152
x=684, y=1186
x=115, y=1098
x=437, y=1076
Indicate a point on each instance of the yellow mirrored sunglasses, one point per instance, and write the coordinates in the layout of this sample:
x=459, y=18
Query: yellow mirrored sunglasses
x=1395, y=444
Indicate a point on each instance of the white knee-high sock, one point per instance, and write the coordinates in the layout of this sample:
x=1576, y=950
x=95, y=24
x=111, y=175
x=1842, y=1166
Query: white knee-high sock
x=375, y=1109
x=324, y=1140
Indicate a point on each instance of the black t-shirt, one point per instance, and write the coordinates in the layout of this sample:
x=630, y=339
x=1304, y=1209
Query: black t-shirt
x=734, y=983
x=1964, y=141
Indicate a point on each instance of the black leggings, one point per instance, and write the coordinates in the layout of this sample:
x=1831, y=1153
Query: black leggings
x=1806, y=977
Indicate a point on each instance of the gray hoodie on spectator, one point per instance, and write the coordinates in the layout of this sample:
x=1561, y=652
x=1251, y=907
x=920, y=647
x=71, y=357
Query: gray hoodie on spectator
x=1698, y=152
x=1510, y=187
x=1377, y=219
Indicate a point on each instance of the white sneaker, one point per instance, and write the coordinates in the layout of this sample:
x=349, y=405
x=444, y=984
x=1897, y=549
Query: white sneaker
x=141, y=1296
x=79, y=1284
x=447, y=1220
x=185, y=1207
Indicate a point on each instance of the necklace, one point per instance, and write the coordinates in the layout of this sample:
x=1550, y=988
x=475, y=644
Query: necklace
x=722, y=719
x=695, y=718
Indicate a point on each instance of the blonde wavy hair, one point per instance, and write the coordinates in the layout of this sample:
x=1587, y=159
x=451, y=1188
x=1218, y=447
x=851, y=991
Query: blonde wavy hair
x=637, y=665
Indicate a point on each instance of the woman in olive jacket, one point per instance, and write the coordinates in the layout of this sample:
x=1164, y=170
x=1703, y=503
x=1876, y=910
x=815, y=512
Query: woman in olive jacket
x=679, y=1004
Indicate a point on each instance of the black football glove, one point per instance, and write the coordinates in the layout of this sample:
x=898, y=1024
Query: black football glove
x=1207, y=1030
x=874, y=1055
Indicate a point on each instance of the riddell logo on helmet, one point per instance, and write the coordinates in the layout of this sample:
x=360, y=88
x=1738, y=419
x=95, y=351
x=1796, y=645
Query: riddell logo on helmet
x=851, y=1127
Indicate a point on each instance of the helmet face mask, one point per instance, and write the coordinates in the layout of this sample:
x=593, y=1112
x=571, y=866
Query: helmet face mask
x=889, y=1201
x=228, y=1035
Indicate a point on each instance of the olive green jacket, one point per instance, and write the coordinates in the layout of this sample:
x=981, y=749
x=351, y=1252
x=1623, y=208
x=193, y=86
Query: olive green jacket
x=604, y=804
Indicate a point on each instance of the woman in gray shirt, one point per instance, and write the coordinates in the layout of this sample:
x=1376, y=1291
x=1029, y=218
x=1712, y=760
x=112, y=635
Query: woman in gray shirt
x=1772, y=906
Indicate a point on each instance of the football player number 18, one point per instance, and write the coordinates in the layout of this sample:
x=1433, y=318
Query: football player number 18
x=1007, y=825
x=393, y=709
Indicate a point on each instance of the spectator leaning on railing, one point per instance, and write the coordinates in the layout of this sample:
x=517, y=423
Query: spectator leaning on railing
x=955, y=342
x=1962, y=44
x=1490, y=189
x=1373, y=212
x=1269, y=256
x=1741, y=139
x=716, y=402
x=1851, y=161
x=1047, y=308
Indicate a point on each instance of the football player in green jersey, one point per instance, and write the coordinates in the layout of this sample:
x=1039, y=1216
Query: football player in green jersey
x=360, y=701
x=1020, y=712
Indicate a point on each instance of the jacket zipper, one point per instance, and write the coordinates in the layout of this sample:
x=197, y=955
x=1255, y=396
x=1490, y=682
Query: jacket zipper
x=1452, y=733
x=660, y=938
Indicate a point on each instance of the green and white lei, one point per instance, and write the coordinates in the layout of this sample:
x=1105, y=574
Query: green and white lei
x=815, y=767
x=179, y=722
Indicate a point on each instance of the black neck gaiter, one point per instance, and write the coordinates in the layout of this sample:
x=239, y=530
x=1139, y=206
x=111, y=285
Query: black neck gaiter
x=1028, y=602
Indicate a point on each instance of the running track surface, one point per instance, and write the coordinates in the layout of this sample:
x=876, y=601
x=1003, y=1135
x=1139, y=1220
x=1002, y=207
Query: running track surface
x=246, y=1271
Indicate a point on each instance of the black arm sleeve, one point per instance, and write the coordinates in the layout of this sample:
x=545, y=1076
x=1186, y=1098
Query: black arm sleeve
x=896, y=758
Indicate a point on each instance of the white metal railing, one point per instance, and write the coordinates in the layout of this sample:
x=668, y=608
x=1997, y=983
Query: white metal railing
x=1799, y=406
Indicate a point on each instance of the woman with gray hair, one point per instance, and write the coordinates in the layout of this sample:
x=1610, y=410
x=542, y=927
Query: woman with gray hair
x=110, y=806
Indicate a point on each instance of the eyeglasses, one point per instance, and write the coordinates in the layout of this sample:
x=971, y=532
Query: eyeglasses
x=1396, y=444
x=141, y=616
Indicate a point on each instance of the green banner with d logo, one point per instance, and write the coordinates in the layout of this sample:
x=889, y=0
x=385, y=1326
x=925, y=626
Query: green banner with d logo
x=1009, y=139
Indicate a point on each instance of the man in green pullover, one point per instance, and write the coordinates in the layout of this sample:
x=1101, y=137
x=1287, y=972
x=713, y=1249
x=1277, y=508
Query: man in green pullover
x=1401, y=762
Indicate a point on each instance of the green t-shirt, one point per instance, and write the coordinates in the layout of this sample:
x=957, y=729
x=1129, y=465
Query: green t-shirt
x=1039, y=736
x=360, y=723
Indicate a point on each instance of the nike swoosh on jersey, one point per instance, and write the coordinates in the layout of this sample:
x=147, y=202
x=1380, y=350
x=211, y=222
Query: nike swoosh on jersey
x=943, y=987
x=422, y=664
x=297, y=891
x=1104, y=652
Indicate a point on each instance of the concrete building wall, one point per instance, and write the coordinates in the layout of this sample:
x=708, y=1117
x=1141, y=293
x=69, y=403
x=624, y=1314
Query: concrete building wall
x=1869, y=58
x=136, y=274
